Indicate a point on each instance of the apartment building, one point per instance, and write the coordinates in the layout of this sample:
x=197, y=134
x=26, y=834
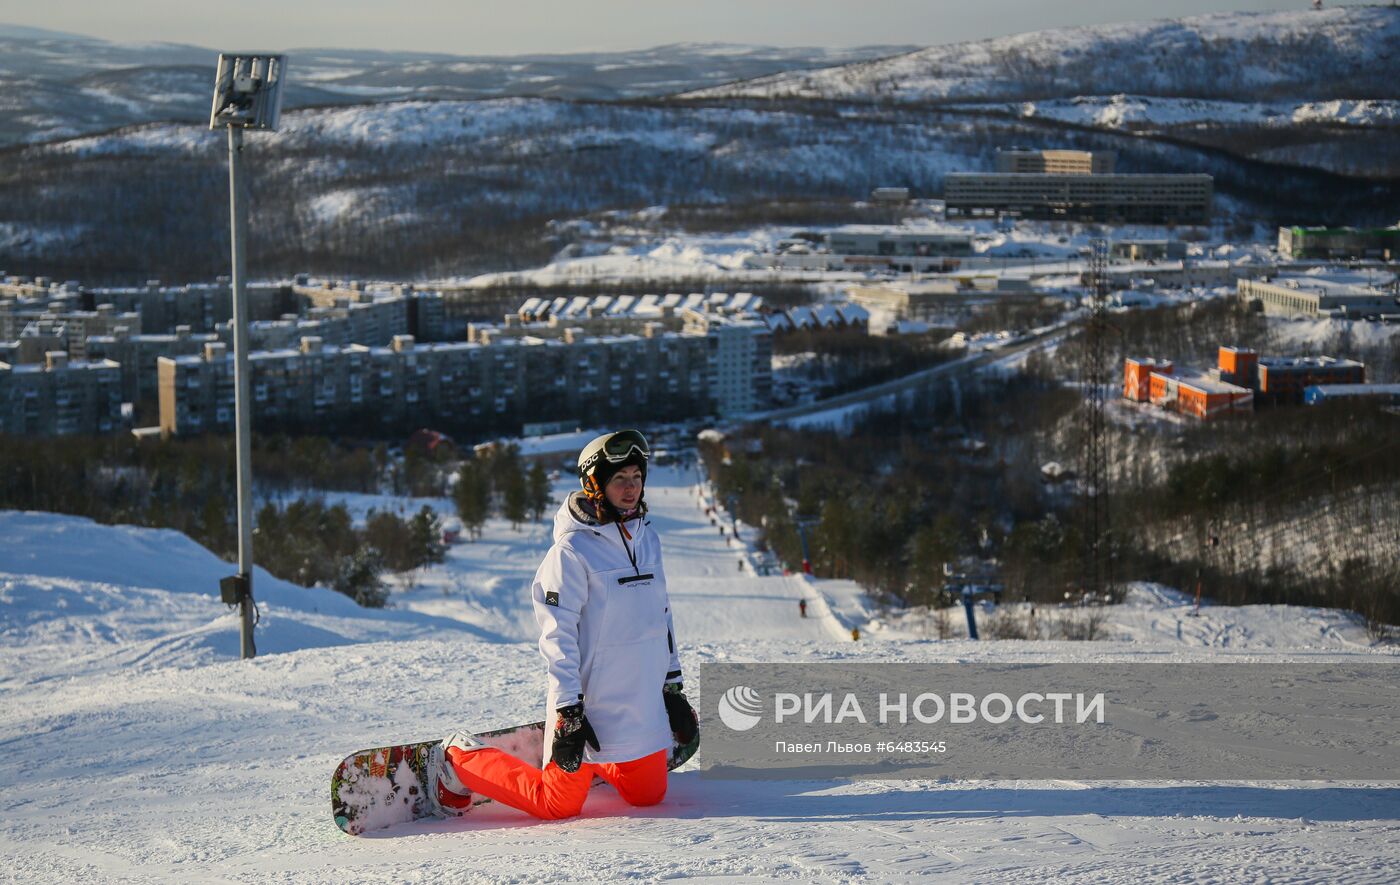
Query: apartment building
x=425, y=311
x=60, y=397
x=740, y=366
x=1143, y=199
x=1056, y=162
x=616, y=312
x=137, y=355
x=38, y=339
x=494, y=382
x=76, y=325
x=24, y=288
x=202, y=307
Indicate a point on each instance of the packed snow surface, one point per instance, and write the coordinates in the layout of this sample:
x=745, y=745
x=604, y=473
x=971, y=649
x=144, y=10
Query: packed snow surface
x=141, y=749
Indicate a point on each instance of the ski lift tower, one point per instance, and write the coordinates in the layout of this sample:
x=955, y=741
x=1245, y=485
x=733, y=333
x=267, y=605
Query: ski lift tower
x=247, y=95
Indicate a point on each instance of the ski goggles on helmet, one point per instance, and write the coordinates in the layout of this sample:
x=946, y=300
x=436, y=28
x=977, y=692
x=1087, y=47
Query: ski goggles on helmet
x=613, y=448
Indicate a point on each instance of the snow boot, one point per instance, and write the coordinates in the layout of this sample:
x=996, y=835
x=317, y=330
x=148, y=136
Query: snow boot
x=446, y=792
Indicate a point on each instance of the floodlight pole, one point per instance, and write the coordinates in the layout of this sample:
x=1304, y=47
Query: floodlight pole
x=247, y=95
x=238, y=231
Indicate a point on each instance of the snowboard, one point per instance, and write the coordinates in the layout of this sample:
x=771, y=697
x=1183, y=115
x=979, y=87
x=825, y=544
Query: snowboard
x=383, y=786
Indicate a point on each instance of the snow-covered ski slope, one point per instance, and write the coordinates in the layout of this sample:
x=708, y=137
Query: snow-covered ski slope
x=138, y=749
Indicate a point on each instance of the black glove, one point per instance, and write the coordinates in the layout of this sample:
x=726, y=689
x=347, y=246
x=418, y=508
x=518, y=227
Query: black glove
x=571, y=729
x=685, y=725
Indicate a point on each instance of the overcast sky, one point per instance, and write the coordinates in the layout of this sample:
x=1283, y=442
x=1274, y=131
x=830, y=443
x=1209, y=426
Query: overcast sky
x=524, y=26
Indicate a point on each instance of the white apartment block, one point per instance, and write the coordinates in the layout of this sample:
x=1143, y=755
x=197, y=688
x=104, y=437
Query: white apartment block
x=740, y=371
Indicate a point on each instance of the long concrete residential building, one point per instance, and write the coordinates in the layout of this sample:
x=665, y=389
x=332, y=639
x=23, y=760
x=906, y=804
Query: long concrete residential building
x=77, y=325
x=138, y=356
x=492, y=382
x=202, y=307
x=59, y=397
x=1144, y=199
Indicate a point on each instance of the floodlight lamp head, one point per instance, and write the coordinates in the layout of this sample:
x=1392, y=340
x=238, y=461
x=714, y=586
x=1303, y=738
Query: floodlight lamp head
x=248, y=91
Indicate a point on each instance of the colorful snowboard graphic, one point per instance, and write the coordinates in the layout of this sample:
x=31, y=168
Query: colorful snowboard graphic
x=380, y=787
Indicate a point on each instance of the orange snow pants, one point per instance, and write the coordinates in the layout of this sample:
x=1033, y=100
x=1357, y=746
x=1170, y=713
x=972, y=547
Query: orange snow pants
x=551, y=792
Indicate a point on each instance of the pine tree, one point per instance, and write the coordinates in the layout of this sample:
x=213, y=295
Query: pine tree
x=427, y=537
x=538, y=491
x=472, y=494
x=514, y=496
x=392, y=538
x=358, y=578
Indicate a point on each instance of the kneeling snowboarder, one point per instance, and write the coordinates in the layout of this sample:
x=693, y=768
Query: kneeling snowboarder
x=615, y=694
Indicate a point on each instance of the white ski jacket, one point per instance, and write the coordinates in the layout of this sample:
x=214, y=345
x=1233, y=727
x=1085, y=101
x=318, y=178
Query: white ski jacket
x=605, y=631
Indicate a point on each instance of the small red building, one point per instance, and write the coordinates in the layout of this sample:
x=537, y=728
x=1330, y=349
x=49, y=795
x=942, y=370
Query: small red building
x=1200, y=396
x=1137, y=374
x=1239, y=366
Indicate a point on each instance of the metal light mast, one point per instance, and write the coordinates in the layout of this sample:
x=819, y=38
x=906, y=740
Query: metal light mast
x=247, y=95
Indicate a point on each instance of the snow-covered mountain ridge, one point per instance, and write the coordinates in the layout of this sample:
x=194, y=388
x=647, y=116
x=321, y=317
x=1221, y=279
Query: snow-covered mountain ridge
x=1341, y=52
x=60, y=85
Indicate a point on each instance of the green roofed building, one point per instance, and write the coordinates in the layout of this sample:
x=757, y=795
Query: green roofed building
x=1340, y=242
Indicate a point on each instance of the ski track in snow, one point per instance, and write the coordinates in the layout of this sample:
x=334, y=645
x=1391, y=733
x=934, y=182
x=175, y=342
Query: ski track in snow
x=139, y=749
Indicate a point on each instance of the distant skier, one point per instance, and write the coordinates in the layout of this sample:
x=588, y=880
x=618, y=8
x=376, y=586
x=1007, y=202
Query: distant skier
x=802, y=607
x=615, y=701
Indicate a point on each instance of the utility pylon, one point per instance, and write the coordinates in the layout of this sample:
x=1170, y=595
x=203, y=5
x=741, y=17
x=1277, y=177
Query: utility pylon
x=1095, y=377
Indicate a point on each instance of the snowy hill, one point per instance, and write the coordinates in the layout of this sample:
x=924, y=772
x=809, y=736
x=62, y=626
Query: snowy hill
x=443, y=188
x=134, y=757
x=60, y=85
x=78, y=596
x=1341, y=52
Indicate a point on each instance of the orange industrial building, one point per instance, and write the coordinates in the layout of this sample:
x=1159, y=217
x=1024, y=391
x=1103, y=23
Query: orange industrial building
x=1240, y=378
x=1283, y=379
x=1200, y=396
x=1239, y=365
x=1137, y=376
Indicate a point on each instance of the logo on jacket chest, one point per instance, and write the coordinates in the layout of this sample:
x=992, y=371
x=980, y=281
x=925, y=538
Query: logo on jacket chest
x=636, y=581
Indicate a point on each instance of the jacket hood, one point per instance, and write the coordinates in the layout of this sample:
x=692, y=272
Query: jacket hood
x=577, y=514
